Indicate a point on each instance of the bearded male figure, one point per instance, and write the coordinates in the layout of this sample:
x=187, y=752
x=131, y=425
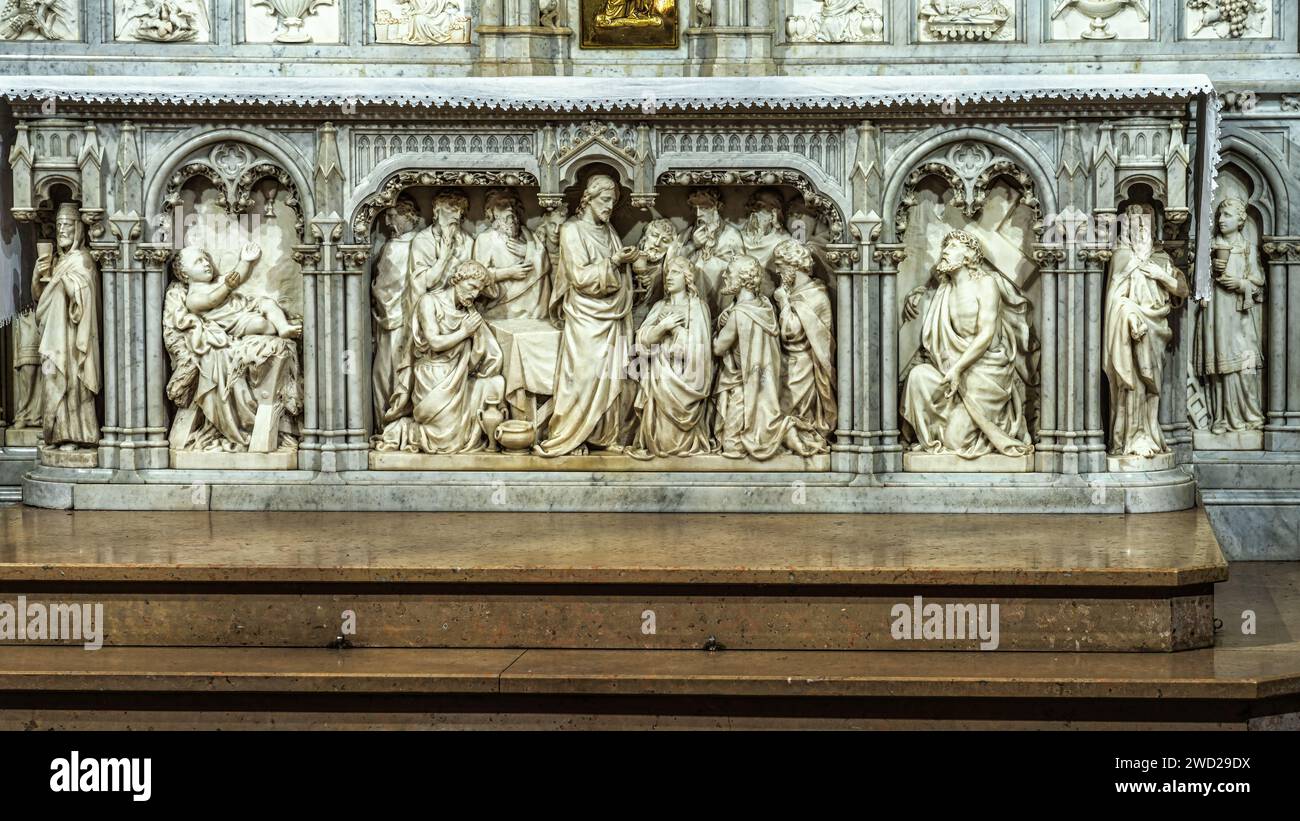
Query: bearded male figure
x=516, y=259
x=390, y=301
x=711, y=243
x=593, y=294
x=67, y=312
x=765, y=229
x=966, y=390
x=805, y=317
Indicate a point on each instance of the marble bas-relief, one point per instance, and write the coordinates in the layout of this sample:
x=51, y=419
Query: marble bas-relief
x=1101, y=20
x=574, y=343
x=39, y=19
x=67, y=313
x=421, y=22
x=965, y=392
x=1227, y=355
x=234, y=356
x=456, y=373
x=25, y=424
x=162, y=21
x=957, y=21
x=1143, y=288
x=836, y=21
x=1228, y=19
x=291, y=21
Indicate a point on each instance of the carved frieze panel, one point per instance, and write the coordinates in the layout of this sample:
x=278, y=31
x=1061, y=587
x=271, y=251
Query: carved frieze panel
x=836, y=21
x=824, y=147
x=162, y=21
x=291, y=21
x=422, y=22
x=1228, y=19
x=1101, y=19
x=966, y=21
x=372, y=146
x=40, y=20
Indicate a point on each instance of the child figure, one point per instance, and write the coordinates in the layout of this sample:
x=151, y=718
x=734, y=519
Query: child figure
x=215, y=299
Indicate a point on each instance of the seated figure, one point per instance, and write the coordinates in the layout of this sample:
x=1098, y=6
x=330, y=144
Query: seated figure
x=231, y=354
x=966, y=390
x=456, y=373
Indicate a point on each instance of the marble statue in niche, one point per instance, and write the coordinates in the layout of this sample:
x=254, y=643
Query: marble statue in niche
x=958, y=21
x=291, y=21
x=1228, y=19
x=38, y=19
x=1227, y=353
x=749, y=421
x=517, y=260
x=836, y=21
x=234, y=355
x=805, y=316
x=1101, y=20
x=421, y=22
x=712, y=242
x=764, y=229
x=1140, y=294
x=67, y=313
x=966, y=390
x=676, y=345
x=593, y=290
x=457, y=389
x=162, y=21
x=390, y=300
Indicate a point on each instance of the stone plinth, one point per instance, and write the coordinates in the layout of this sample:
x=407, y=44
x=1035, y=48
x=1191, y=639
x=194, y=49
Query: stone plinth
x=1133, y=464
x=916, y=462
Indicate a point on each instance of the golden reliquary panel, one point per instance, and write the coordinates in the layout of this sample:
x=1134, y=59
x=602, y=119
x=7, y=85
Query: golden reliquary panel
x=630, y=23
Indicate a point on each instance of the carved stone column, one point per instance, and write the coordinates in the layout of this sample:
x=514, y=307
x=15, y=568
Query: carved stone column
x=1078, y=432
x=520, y=38
x=342, y=393
x=1282, y=430
x=851, y=438
x=144, y=341
x=733, y=40
x=888, y=457
x=1046, y=440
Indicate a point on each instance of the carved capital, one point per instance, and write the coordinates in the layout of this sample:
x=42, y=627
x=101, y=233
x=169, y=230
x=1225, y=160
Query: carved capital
x=1282, y=249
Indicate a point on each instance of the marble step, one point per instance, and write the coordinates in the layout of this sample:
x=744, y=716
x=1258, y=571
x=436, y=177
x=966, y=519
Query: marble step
x=250, y=687
x=622, y=581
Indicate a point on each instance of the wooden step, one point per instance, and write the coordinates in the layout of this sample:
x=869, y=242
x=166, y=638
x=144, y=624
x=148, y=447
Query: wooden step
x=619, y=581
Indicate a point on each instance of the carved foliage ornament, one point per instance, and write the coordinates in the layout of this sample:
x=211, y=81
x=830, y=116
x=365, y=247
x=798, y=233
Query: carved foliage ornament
x=818, y=203
x=968, y=170
x=236, y=194
x=386, y=196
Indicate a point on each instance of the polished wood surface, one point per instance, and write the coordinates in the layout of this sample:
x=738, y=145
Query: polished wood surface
x=1159, y=549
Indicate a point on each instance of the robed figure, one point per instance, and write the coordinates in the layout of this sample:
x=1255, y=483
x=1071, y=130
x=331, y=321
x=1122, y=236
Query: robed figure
x=1227, y=354
x=391, y=301
x=966, y=390
x=517, y=260
x=593, y=296
x=750, y=422
x=456, y=373
x=676, y=345
x=1136, y=334
x=805, y=316
x=67, y=312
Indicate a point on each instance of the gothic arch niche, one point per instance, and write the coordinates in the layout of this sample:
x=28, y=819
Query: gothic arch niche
x=1228, y=384
x=1000, y=205
x=233, y=308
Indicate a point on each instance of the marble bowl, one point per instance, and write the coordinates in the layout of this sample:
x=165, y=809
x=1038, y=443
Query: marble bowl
x=516, y=435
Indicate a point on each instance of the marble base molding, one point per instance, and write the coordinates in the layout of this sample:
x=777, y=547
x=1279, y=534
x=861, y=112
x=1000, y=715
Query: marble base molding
x=950, y=463
x=22, y=437
x=218, y=460
x=1232, y=440
x=53, y=457
x=1124, y=464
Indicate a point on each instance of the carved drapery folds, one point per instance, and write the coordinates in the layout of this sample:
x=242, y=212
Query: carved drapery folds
x=968, y=380
x=232, y=311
